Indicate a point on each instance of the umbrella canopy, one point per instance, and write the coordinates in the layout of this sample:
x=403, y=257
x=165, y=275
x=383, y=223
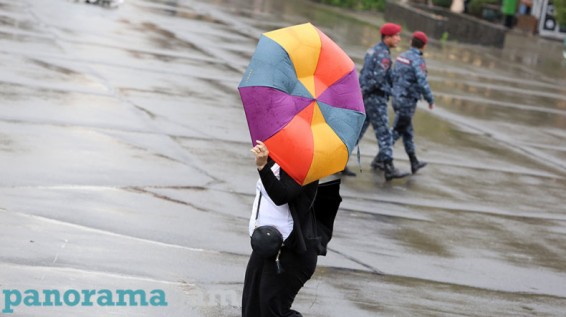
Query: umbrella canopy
x=302, y=98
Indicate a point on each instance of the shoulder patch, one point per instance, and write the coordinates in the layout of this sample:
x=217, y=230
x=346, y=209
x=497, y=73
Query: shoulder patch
x=403, y=60
x=386, y=62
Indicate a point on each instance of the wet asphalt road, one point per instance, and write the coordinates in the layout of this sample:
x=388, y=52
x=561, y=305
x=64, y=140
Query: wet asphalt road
x=125, y=164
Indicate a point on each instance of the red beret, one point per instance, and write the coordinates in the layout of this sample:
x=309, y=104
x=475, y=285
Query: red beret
x=390, y=29
x=421, y=36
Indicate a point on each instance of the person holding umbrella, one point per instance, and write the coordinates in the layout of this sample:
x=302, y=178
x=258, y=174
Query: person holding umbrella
x=304, y=110
x=375, y=82
x=269, y=292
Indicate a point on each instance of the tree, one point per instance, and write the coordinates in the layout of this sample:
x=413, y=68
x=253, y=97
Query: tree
x=560, y=11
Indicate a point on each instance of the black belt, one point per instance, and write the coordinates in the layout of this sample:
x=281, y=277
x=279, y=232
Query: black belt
x=377, y=92
x=380, y=93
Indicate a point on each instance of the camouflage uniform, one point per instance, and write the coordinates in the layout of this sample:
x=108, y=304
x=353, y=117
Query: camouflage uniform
x=409, y=84
x=375, y=81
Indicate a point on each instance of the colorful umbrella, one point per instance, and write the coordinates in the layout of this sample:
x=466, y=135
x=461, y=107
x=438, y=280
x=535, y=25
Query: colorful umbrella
x=302, y=99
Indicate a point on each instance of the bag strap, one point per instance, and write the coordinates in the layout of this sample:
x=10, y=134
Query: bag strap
x=258, y=204
x=313, y=224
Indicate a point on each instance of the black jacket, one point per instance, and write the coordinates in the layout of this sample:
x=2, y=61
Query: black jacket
x=312, y=218
x=325, y=207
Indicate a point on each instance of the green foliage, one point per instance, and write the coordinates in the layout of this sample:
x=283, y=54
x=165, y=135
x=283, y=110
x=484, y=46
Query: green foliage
x=378, y=5
x=444, y=38
x=476, y=6
x=442, y=3
x=560, y=11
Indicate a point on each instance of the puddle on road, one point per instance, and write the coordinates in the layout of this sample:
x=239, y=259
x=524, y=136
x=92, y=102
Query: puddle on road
x=183, y=14
x=402, y=296
x=485, y=109
x=6, y=21
x=9, y=7
x=25, y=38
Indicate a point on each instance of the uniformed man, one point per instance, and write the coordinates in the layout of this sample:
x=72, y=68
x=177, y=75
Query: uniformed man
x=375, y=81
x=409, y=85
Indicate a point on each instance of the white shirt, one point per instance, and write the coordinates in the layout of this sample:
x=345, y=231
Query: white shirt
x=269, y=213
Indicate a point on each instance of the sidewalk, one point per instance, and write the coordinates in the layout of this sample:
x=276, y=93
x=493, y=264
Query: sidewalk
x=125, y=165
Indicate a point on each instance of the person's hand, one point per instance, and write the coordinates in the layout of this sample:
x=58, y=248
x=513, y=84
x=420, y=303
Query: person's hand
x=431, y=106
x=261, y=154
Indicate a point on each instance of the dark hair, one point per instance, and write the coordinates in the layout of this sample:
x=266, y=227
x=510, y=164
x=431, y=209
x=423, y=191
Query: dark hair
x=415, y=42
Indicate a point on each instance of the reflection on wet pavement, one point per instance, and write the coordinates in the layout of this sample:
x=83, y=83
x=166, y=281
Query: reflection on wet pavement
x=124, y=153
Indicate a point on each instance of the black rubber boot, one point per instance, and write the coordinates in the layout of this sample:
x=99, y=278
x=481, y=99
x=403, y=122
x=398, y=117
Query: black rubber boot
x=348, y=172
x=391, y=172
x=377, y=164
x=415, y=163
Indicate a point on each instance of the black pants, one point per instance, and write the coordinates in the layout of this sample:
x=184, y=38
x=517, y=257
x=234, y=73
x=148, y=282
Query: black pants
x=509, y=21
x=268, y=294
